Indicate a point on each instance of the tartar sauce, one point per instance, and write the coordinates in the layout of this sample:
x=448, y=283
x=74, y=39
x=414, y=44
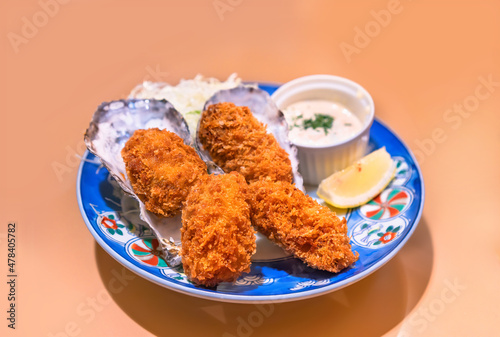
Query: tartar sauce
x=320, y=123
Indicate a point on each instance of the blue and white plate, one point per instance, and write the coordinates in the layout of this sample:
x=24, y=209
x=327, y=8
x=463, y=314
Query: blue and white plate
x=378, y=230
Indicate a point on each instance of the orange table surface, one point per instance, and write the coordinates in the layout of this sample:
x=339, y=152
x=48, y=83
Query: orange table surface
x=432, y=67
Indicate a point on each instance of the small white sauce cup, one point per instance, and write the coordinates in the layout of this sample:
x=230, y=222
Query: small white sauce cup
x=319, y=162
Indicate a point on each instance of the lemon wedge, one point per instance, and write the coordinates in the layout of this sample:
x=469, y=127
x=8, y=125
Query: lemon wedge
x=359, y=183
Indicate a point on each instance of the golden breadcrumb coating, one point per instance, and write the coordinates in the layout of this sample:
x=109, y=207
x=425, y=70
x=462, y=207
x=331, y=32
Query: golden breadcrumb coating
x=162, y=169
x=237, y=141
x=300, y=225
x=217, y=236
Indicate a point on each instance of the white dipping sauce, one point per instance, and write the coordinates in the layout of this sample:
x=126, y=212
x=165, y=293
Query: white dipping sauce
x=320, y=123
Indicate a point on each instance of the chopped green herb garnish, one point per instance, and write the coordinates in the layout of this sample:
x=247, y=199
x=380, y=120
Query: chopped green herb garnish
x=319, y=121
x=195, y=112
x=295, y=123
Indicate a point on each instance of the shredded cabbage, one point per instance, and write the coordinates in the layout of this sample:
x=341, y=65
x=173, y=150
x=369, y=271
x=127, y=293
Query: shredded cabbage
x=188, y=97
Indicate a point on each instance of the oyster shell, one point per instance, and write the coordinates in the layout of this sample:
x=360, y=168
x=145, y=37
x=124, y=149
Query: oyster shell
x=266, y=111
x=112, y=125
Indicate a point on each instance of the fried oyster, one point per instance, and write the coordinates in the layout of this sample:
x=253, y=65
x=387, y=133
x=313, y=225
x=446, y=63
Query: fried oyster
x=298, y=224
x=162, y=169
x=217, y=237
x=237, y=141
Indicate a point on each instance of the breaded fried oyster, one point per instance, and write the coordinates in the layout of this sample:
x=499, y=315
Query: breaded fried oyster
x=162, y=169
x=217, y=237
x=237, y=141
x=301, y=226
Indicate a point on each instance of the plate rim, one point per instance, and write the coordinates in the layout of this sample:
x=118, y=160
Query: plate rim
x=257, y=299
